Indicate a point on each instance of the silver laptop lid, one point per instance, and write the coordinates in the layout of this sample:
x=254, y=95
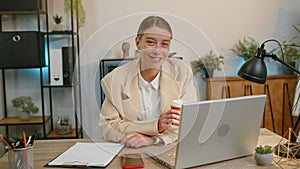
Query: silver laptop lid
x=216, y=130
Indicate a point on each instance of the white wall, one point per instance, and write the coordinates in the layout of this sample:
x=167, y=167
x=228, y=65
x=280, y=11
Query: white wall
x=223, y=21
x=200, y=25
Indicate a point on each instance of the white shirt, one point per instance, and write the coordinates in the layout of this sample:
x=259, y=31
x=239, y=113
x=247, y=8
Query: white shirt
x=149, y=98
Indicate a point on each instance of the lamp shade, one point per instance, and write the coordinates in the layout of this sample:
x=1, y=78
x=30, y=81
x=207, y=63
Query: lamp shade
x=254, y=69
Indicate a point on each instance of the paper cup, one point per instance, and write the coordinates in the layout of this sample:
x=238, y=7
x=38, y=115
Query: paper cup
x=176, y=105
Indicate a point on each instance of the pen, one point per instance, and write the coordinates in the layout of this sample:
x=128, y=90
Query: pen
x=28, y=141
x=24, y=139
x=17, y=144
x=5, y=141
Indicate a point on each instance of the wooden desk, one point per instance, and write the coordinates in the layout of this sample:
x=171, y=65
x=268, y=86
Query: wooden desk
x=46, y=150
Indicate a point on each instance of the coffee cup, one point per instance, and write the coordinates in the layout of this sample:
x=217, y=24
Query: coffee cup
x=176, y=105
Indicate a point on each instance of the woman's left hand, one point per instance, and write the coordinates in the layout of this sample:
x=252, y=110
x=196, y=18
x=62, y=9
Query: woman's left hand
x=137, y=140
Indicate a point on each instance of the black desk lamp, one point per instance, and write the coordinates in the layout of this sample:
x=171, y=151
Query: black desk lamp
x=254, y=69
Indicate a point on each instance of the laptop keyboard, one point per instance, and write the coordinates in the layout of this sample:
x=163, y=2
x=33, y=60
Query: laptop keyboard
x=164, y=163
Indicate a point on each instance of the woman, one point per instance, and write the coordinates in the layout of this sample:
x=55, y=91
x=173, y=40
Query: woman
x=136, y=110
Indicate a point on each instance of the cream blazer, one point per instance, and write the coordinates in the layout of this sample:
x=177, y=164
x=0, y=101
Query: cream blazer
x=119, y=111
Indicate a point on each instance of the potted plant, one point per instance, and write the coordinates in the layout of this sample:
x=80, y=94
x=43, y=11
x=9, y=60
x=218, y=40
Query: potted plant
x=245, y=48
x=208, y=64
x=25, y=106
x=78, y=10
x=290, y=55
x=264, y=155
x=64, y=125
x=57, y=19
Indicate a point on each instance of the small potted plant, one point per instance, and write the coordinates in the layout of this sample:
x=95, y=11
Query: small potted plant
x=64, y=125
x=25, y=106
x=264, y=155
x=245, y=48
x=57, y=19
x=290, y=55
x=208, y=64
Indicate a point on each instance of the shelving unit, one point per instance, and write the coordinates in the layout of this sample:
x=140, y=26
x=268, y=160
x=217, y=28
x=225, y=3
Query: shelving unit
x=70, y=39
x=16, y=59
x=69, y=92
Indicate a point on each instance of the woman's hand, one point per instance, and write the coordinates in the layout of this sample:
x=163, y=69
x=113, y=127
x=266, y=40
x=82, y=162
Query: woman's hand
x=137, y=140
x=168, y=120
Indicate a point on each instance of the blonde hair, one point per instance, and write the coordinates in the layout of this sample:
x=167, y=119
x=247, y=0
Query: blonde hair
x=151, y=21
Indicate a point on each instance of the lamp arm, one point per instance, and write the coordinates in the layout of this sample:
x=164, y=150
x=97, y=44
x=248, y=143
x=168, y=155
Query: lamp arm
x=282, y=62
x=259, y=75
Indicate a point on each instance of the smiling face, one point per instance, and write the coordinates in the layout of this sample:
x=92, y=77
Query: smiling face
x=154, y=46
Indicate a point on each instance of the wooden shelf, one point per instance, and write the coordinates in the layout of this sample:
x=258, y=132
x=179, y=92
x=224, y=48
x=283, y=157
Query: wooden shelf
x=36, y=12
x=57, y=86
x=16, y=121
x=53, y=134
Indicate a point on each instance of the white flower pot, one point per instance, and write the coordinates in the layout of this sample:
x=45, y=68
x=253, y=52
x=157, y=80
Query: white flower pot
x=263, y=159
x=24, y=116
x=58, y=27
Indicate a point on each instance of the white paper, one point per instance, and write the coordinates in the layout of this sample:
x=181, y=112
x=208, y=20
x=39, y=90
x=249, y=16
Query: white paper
x=89, y=154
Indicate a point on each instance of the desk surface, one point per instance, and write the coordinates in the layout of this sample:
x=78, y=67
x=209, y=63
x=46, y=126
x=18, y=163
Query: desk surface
x=46, y=150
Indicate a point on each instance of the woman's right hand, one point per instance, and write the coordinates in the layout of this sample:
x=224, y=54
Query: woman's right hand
x=168, y=120
x=137, y=140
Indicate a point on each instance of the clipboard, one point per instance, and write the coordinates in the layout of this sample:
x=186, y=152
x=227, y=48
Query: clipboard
x=87, y=155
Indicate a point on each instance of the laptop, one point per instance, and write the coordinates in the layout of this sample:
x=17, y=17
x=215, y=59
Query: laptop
x=213, y=131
